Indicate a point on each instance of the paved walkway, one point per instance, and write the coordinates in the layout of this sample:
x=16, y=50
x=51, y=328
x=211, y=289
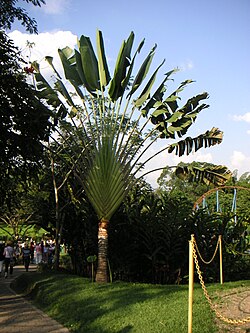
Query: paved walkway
x=19, y=315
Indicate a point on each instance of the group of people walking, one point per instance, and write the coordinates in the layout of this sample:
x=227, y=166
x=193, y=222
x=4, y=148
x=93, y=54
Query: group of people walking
x=35, y=253
x=8, y=258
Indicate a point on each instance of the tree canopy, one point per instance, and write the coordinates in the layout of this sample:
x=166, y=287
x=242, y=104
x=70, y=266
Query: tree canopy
x=24, y=119
x=10, y=12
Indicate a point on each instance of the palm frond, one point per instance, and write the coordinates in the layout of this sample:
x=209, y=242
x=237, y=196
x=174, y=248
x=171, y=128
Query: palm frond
x=210, y=175
x=188, y=145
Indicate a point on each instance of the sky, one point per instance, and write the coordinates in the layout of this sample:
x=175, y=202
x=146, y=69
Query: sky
x=209, y=41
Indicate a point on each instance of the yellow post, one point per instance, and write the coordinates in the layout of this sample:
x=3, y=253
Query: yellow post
x=221, y=270
x=191, y=285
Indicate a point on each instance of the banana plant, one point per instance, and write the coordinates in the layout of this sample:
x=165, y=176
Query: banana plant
x=116, y=119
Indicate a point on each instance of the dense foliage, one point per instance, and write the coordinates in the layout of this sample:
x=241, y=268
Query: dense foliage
x=24, y=125
x=24, y=119
x=149, y=234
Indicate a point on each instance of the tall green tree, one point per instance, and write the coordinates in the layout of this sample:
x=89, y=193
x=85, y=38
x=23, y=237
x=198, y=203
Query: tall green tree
x=117, y=119
x=25, y=121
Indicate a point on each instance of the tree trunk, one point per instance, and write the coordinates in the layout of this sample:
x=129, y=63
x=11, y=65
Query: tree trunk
x=58, y=239
x=102, y=268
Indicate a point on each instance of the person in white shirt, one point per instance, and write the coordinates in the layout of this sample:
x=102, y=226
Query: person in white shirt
x=9, y=258
x=39, y=253
x=1, y=257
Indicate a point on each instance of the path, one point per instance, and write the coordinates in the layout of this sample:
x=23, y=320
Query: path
x=235, y=305
x=19, y=315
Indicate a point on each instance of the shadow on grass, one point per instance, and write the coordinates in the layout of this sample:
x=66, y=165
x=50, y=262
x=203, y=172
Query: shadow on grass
x=86, y=307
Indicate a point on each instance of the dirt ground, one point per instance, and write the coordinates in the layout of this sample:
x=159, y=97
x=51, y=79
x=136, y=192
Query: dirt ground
x=234, y=304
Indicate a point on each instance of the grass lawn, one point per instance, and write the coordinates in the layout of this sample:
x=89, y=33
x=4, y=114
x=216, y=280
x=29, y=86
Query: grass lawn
x=119, y=307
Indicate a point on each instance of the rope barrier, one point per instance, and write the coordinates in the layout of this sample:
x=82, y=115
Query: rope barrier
x=213, y=256
x=212, y=306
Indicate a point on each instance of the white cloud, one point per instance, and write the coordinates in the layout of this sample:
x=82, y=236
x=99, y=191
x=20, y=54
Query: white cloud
x=245, y=117
x=237, y=158
x=188, y=65
x=45, y=44
x=55, y=7
x=240, y=162
x=248, y=132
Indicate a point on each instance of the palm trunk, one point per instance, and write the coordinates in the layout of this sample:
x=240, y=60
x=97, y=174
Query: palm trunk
x=102, y=267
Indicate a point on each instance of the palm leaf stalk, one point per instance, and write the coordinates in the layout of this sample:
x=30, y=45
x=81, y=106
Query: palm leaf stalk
x=114, y=122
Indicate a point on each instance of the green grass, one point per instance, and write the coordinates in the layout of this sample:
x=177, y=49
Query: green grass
x=119, y=307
